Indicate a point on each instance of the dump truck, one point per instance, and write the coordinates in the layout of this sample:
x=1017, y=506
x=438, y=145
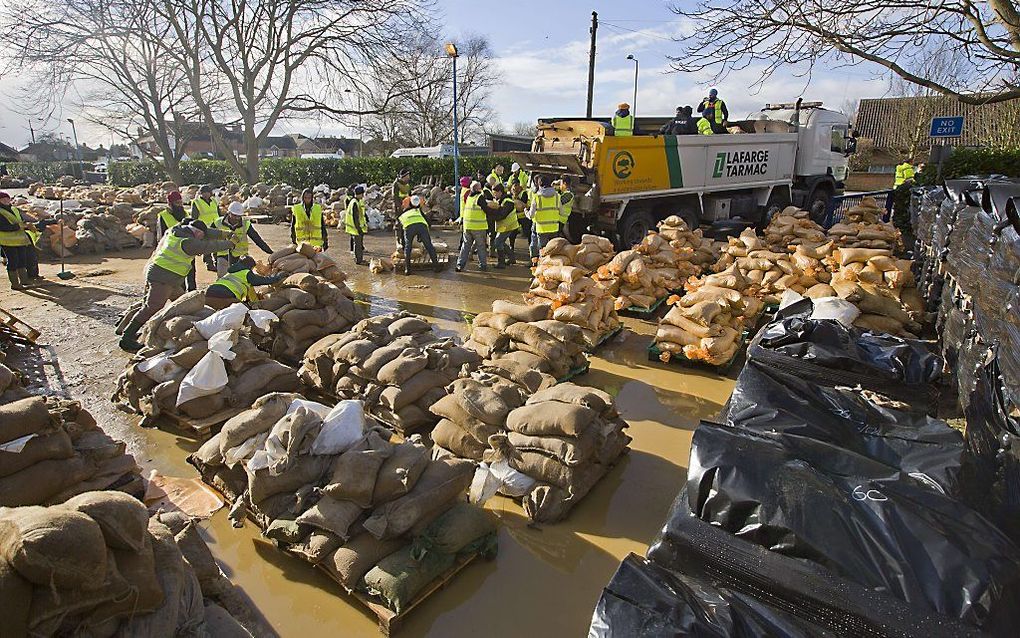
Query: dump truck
x=791, y=153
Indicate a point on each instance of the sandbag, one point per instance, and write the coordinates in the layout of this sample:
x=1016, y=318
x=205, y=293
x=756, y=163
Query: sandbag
x=123, y=519
x=399, y=577
x=144, y=594
x=410, y=362
x=304, y=470
x=39, y=483
x=56, y=445
x=52, y=546
x=570, y=451
x=400, y=471
x=480, y=402
x=413, y=389
x=522, y=312
x=440, y=483
x=51, y=605
x=408, y=326
x=353, y=475
x=26, y=416
x=16, y=594
x=453, y=530
x=450, y=407
x=360, y=554
x=265, y=412
x=550, y=418
x=220, y=624
x=317, y=547
x=591, y=398
x=332, y=515
x=456, y=439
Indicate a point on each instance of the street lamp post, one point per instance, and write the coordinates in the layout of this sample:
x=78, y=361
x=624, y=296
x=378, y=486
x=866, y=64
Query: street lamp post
x=633, y=107
x=361, y=140
x=451, y=51
x=77, y=149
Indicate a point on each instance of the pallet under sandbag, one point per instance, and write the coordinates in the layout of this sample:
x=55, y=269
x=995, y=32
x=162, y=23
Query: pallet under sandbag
x=680, y=360
x=201, y=429
x=606, y=337
x=574, y=372
x=640, y=312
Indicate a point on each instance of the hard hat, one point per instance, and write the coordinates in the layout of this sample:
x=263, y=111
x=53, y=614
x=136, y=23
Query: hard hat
x=308, y=191
x=623, y=105
x=235, y=208
x=515, y=166
x=476, y=186
x=405, y=172
x=415, y=200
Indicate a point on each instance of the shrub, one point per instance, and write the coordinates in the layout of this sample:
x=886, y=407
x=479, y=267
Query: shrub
x=44, y=171
x=975, y=161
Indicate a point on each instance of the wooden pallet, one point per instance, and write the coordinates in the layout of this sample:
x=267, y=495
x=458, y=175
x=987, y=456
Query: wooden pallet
x=679, y=360
x=643, y=313
x=198, y=427
x=574, y=373
x=606, y=337
x=17, y=328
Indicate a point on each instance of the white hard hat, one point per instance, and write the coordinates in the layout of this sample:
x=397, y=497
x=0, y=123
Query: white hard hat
x=415, y=200
x=515, y=166
x=236, y=208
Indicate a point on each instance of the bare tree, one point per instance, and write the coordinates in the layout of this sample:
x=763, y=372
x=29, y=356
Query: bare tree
x=108, y=55
x=523, y=129
x=423, y=116
x=275, y=59
x=899, y=35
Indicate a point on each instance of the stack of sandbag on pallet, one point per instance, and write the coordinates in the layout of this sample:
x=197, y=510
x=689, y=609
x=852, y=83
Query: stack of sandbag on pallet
x=477, y=407
x=706, y=325
x=792, y=227
x=420, y=256
x=199, y=363
x=98, y=565
x=394, y=362
x=694, y=252
x=592, y=252
x=641, y=276
x=52, y=449
x=881, y=286
x=862, y=227
x=304, y=258
x=552, y=450
x=308, y=307
x=529, y=335
x=575, y=298
x=769, y=273
x=328, y=486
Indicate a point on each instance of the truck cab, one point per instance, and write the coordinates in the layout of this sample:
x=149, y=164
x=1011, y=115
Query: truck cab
x=623, y=186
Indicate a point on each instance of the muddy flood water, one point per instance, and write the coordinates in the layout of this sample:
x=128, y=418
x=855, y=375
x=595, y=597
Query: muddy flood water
x=544, y=582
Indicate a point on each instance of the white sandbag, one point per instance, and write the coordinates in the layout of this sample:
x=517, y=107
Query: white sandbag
x=262, y=318
x=160, y=368
x=341, y=428
x=209, y=376
x=229, y=318
x=841, y=310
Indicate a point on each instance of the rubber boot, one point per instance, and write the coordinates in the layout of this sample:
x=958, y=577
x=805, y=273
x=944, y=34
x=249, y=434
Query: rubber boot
x=15, y=278
x=129, y=341
x=26, y=282
x=435, y=266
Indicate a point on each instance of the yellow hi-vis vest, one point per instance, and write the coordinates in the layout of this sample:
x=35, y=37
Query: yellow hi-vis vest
x=237, y=283
x=705, y=127
x=498, y=178
x=170, y=255
x=168, y=219
x=509, y=223
x=14, y=237
x=623, y=126
x=547, y=214
x=208, y=212
x=566, y=206
x=904, y=172
x=523, y=213
x=716, y=107
x=239, y=235
x=412, y=216
x=472, y=215
x=522, y=178
x=354, y=207
x=307, y=227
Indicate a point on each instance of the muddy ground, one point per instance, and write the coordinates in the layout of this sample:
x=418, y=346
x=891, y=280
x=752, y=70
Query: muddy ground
x=545, y=581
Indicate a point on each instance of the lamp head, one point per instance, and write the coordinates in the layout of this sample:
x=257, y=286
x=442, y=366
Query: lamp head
x=451, y=49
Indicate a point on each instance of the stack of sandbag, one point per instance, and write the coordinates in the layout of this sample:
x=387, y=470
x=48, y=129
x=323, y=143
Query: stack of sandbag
x=862, y=227
x=564, y=439
x=52, y=449
x=102, y=232
x=769, y=273
x=592, y=252
x=305, y=258
x=382, y=517
x=529, y=335
x=419, y=254
x=477, y=408
x=792, y=227
x=694, y=252
x=575, y=298
x=881, y=286
x=394, y=363
x=308, y=307
x=199, y=363
x=639, y=277
x=98, y=565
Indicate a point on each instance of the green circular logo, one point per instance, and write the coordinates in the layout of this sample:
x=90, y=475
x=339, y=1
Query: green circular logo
x=623, y=164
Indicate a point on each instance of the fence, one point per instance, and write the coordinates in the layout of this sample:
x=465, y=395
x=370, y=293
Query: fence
x=838, y=206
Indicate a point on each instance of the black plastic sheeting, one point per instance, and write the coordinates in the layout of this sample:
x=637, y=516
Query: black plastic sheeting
x=860, y=518
x=770, y=401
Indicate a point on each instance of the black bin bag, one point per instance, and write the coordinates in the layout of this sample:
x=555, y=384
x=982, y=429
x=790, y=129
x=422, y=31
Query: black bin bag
x=858, y=517
x=768, y=400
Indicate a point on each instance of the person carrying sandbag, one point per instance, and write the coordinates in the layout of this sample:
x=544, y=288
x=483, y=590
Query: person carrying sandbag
x=356, y=224
x=414, y=226
x=238, y=284
x=307, y=223
x=240, y=230
x=167, y=269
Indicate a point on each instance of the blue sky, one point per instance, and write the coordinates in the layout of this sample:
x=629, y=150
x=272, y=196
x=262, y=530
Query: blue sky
x=541, y=50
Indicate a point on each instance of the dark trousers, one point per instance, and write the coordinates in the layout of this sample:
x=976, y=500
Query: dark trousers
x=17, y=256
x=33, y=262
x=421, y=233
x=358, y=246
x=190, y=281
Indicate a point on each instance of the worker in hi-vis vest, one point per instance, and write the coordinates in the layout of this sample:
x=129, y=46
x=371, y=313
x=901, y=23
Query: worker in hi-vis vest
x=241, y=231
x=566, y=200
x=705, y=127
x=505, y=212
x=356, y=224
x=206, y=209
x=714, y=110
x=14, y=242
x=544, y=215
x=169, y=217
x=904, y=172
x=307, y=223
x=167, y=269
x=623, y=121
x=414, y=225
x=237, y=285
x=475, y=225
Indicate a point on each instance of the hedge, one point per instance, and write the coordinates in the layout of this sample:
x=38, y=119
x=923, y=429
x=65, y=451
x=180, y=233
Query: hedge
x=44, y=171
x=309, y=172
x=975, y=161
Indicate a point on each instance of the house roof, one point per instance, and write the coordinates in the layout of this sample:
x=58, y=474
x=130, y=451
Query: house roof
x=8, y=152
x=891, y=123
x=283, y=142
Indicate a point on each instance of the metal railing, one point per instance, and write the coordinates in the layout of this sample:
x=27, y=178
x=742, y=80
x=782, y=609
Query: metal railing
x=838, y=206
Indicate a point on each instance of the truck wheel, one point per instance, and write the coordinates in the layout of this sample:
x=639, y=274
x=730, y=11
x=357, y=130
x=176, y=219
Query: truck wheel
x=633, y=228
x=818, y=205
x=576, y=226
